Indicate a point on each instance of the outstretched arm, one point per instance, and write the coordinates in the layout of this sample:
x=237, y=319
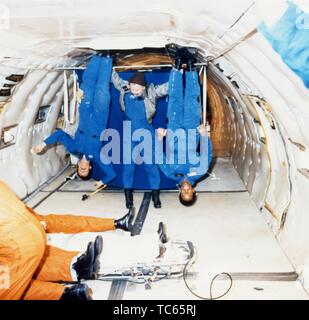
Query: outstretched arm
x=161, y=90
x=118, y=82
x=58, y=136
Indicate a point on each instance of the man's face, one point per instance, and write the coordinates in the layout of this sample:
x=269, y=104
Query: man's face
x=137, y=90
x=83, y=167
x=186, y=191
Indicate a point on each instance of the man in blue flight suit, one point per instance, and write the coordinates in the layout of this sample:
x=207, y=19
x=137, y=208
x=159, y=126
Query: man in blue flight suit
x=138, y=102
x=93, y=119
x=184, y=112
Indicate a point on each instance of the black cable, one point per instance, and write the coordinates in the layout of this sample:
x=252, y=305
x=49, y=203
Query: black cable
x=226, y=292
x=234, y=24
x=211, y=285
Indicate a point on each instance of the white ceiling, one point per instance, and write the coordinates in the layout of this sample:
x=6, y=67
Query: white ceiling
x=40, y=34
x=34, y=31
x=52, y=28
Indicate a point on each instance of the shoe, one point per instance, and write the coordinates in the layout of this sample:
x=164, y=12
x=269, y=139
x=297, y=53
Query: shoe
x=104, y=53
x=84, y=264
x=129, y=198
x=87, y=265
x=98, y=248
x=156, y=199
x=178, y=61
x=191, y=58
x=126, y=223
x=162, y=233
x=77, y=292
x=177, y=53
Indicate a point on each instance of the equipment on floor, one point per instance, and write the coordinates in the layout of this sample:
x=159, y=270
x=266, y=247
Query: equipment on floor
x=87, y=196
x=168, y=267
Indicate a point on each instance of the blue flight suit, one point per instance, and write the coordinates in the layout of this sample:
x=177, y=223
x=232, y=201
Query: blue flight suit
x=93, y=118
x=184, y=112
x=290, y=39
x=135, y=112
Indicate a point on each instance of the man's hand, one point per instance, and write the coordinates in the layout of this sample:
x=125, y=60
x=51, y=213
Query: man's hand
x=161, y=133
x=202, y=130
x=39, y=148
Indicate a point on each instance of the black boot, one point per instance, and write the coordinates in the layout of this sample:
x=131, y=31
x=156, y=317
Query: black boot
x=191, y=58
x=179, y=58
x=178, y=62
x=156, y=199
x=176, y=52
x=98, y=248
x=87, y=265
x=162, y=233
x=77, y=292
x=129, y=198
x=126, y=223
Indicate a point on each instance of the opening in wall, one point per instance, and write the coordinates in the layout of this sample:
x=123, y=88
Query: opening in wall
x=8, y=136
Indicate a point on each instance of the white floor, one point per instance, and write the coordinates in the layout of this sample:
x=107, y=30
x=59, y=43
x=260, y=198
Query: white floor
x=223, y=178
x=228, y=231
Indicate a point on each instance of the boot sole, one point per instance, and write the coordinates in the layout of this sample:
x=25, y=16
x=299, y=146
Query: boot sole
x=98, y=246
x=95, y=269
x=91, y=253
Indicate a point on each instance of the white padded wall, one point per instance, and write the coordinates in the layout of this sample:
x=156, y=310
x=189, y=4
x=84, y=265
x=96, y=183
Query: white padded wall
x=256, y=146
x=21, y=169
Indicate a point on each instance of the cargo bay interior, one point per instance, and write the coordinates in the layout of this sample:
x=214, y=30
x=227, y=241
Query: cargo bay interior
x=249, y=219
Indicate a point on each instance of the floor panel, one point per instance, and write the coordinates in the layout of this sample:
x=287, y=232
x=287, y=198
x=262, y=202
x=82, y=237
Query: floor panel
x=228, y=231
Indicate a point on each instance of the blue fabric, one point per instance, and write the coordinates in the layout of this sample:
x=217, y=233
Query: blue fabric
x=160, y=121
x=59, y=136
x=184, y=111
x=152, y=173
x=116, y=122
x=95, y=107
x=136, y=114
x=93, y=118
x=192, y=173
x=290, y=39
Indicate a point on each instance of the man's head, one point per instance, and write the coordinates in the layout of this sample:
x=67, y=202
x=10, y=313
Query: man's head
x=84, y=168
x=137, y=84
x=187, y=195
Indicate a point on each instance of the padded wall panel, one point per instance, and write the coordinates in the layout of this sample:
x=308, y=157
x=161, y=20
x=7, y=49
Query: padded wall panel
x=21, y=169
